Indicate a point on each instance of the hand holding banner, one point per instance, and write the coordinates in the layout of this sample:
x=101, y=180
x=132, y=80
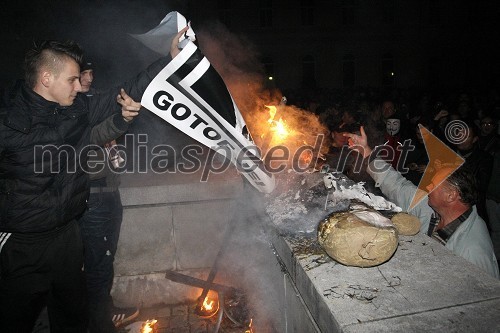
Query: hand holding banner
x=190, y=95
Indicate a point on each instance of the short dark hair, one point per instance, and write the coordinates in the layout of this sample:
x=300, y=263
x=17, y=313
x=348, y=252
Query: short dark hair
x=49, y=53
x=464, y=181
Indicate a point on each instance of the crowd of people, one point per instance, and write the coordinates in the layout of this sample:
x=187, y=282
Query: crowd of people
x=466, y=123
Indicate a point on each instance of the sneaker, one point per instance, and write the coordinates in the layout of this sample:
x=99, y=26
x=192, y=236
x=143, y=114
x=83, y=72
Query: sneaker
x=120, y=316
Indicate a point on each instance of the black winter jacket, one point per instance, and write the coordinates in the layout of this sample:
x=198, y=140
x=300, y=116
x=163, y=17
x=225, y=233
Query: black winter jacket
x=43, y=152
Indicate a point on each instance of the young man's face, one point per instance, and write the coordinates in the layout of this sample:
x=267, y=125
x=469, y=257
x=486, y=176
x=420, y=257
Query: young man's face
x=86, y=78
x=63, y=87
x=339, y=139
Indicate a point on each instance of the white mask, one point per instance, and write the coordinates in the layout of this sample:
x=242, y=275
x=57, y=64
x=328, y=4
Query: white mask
x=393, y=126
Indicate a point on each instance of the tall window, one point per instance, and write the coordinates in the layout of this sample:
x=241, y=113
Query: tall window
x=388, y=70
x=348, y=71
x=308, y=72
x=349, y=12
x=434, y=12
x=388, y=12
x=433, y=75
x=307, y=12
x=224, y=11
x=265, y=13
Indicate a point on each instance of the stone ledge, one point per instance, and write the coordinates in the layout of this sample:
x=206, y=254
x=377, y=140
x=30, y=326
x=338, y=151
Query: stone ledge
x=404, y=294
x=175, y=188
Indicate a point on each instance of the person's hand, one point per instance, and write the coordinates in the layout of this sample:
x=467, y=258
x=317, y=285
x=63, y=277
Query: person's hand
x=441, y=114
x=421, y=168
x=174, y=47
x=130, y=108
x=359, y=143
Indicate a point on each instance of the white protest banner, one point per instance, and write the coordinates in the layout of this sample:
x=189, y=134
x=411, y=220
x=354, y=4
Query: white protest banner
x=190, y=95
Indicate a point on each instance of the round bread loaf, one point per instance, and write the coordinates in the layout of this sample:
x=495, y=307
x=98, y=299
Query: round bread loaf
x=407, y=225
x=355, y=242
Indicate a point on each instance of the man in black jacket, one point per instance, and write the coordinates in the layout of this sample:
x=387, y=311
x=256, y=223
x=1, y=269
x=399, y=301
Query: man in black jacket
x=44, y=140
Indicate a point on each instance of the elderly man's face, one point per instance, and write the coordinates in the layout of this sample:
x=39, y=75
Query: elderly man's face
x=439, y=189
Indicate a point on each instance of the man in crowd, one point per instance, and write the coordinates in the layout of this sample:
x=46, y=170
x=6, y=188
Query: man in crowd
x=477, y=161
x=87, y=77
x=100, y=229
x=44, y=141
x=447, y=214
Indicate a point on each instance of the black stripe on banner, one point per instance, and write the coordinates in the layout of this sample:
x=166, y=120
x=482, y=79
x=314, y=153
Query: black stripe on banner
x=207, y=112
x=259, y=164
x=188, y=66
x=209, y=86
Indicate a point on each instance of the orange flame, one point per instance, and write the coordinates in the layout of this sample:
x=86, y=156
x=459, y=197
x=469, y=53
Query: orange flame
x=148, y=326
x=280, y=129
x=250, y=329
x=207, y=305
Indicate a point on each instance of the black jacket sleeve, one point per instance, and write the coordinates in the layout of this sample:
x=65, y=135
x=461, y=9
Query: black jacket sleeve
x=103, y=104
x=109, y=129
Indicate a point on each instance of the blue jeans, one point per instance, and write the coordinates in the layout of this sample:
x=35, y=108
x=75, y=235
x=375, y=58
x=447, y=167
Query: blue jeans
x=100, y=229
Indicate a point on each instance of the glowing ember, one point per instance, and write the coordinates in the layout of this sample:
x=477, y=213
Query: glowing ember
x=148, y=326
x=208, y=308
x=250, y=329
x=306, y=157
x=207, y=305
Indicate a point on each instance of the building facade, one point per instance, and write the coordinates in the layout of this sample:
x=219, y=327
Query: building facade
x=356, y=43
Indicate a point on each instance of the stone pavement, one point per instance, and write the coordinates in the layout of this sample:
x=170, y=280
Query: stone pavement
x=179, y=318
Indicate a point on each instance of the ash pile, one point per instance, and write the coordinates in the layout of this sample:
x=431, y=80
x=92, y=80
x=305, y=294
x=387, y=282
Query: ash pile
x=303, y=200
x=354, y=226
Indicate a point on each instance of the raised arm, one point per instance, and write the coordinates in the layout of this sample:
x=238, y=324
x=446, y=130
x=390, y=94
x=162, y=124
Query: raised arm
x=116, y=124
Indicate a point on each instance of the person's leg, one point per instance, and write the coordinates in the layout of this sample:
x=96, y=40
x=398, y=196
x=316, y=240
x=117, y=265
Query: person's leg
x=67, y=302
x=100, y=237
x=120, y=315
x=24, y=282
x=114, y=227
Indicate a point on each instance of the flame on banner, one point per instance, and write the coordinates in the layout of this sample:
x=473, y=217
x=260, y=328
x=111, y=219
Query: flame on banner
x=278, y=127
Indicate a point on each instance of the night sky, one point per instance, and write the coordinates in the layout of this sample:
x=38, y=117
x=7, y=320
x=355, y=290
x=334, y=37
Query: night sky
x=100, y=27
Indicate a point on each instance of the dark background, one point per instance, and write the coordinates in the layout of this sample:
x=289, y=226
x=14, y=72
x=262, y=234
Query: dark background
x=302, y=44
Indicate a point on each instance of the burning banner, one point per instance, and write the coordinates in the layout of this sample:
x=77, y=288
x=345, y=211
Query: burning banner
x=190, y=94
